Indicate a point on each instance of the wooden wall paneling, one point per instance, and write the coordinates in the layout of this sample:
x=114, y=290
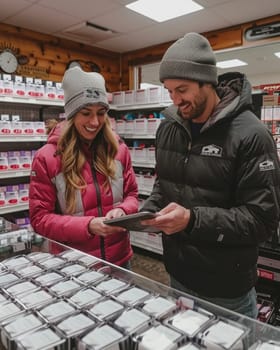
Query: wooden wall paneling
x=48, y=56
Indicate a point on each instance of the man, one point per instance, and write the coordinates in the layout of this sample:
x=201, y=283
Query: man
x=217, y=187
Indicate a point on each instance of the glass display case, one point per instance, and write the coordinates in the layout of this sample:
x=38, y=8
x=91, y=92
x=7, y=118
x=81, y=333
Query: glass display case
x=75, y=301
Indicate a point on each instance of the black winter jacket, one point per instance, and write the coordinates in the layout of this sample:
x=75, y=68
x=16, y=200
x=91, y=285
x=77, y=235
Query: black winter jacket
x=230, y=178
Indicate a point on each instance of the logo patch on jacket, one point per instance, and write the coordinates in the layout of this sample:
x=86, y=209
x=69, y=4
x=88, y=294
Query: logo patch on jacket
x=212, y=151
x=266, y=165
x=33, y=173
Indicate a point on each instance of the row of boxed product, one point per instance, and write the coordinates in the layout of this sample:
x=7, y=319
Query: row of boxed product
x=29, y=87
x=143, y=155
x=14, y=194
x=69, y=301
x=270, y=113
x=141, y=126
x=155, y=94
x=16, y=160
x=18, y=127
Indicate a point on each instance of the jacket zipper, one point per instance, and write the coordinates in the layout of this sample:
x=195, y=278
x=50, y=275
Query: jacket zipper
x=99, y=208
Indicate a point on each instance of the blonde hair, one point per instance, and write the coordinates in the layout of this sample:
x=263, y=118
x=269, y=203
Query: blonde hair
x=105, y=146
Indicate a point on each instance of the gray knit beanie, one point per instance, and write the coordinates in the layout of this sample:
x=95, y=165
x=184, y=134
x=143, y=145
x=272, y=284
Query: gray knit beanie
x=82, y=89
x=191, y=58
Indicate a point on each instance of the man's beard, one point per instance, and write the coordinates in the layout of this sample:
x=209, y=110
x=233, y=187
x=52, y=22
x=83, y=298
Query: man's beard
x=196, y=111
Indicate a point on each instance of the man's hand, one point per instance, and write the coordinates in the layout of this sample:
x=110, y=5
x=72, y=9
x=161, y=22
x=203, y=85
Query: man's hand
x=171, y=219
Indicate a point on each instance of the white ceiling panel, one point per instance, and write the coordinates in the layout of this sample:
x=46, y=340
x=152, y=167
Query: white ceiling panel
x=117, y=20
x=83, y=9
x=7, y=10
x=240, y=11
x=43, y=19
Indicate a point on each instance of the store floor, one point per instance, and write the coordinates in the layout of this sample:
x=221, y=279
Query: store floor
x=149, y=265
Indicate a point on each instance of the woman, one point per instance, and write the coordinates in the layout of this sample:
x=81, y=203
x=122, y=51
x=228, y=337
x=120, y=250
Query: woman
x=84, y=175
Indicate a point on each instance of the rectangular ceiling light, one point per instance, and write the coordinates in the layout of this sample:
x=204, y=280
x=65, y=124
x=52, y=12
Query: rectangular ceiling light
x=231, y=63
x=156, y=10
x=277, y=54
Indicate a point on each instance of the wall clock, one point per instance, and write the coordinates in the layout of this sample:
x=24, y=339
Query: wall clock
x=8, y=61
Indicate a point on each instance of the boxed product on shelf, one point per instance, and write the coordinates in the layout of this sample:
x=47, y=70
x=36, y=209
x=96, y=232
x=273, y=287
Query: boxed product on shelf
x=59, y=91
x=5, y=125
x=13, y=160
x=129, y=97
x=50, y=90
x=140, y=154
x=25, y=159
x=140, y=126
x=152, y=125
x=118, y=98
x=120, y=126
x=7, y=85
x=16, y=127
x=19, y=86
x=129, y=126
x=141, y=96
x=4, y=164
x=154, y=94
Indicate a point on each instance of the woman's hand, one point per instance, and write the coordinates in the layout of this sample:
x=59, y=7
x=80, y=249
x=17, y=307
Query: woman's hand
x=115, y=213
x=97, y=227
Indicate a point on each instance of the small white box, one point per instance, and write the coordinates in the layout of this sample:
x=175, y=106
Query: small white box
x=129, y=126
x=140, y=154
x=120, y=126
x=129, y=97
x=140, y=126
x=152, y=125
x=141, y=96
x=118, y=98
x=154, y=94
